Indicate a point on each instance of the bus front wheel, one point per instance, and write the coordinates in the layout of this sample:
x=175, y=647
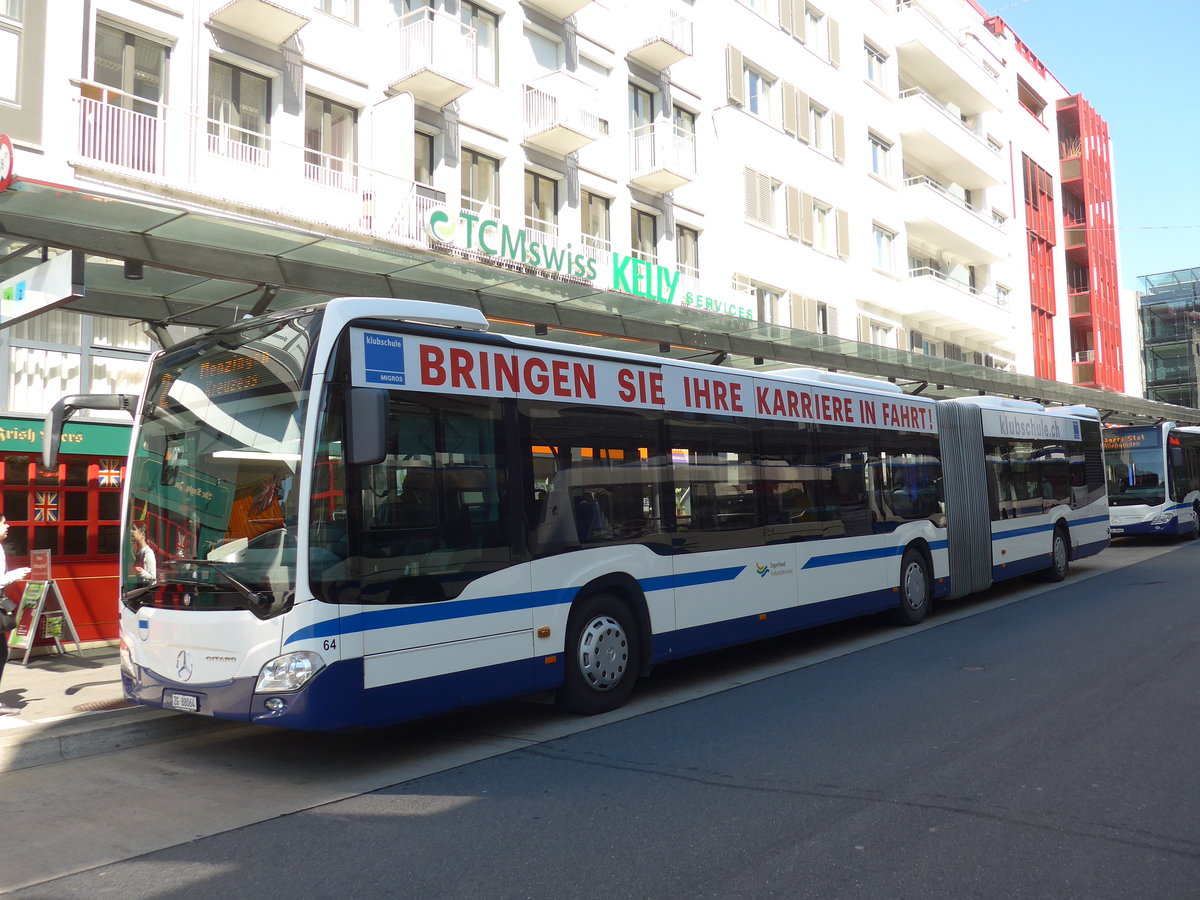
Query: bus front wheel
x=1060, y=557
x=915, y=588
x=601, y=656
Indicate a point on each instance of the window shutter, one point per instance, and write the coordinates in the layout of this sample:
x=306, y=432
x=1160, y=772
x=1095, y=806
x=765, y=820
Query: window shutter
x=786, y=15
x=899, y=342
x=843, y=234
x=952, y=351
x=806, y=218
x=741, y=283
x=864, y=330
x=798, y=22
x=915, y=339
x=733, y=75
x=793, y=212
x=988, y=361
x=831, y=320
x=835, y=50
x=789, y=108
x=803, y=118
x=759, y=201
x=839, y=138
x=977, y=358
x=804, y=311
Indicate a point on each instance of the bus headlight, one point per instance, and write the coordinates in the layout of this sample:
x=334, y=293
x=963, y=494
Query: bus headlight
x=1162, y=519
x=289, y=672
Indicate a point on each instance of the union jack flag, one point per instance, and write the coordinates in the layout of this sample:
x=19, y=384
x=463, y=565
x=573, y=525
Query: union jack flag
x=45, y=506
x=109, y=473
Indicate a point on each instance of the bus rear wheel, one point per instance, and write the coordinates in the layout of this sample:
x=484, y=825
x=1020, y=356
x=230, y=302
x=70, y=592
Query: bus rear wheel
x=915, y=589
x=602, y=656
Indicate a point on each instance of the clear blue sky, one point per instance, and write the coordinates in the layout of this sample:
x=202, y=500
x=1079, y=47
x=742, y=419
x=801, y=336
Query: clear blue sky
x=1135, y=62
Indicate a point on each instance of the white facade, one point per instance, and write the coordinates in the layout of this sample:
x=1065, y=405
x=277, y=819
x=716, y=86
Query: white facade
x=851, y=167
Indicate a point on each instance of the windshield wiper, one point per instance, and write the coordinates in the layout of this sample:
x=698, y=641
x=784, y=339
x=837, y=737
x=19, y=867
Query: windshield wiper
x=138, y=592
x=256, y=599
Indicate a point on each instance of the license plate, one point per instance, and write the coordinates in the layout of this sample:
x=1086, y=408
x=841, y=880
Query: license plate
x=1117, y=529
x=185, y=702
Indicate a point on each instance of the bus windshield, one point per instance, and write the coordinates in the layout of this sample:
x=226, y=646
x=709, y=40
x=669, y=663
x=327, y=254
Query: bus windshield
x=1136, y=467
x=213, y=477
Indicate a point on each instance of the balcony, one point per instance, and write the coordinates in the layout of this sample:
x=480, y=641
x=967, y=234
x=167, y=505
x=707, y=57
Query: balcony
x=937, y=217
x=970, y=315
x=936, y=135
x=1080, y=300
x=560, y=9
x=262, y=20
x=960, y=65
x=435, y=57
x=1083, y=368
x=662, y=156
x=665, y=43
x=559, y=114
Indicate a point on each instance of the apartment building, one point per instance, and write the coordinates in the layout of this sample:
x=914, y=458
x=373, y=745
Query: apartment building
x=890, y=187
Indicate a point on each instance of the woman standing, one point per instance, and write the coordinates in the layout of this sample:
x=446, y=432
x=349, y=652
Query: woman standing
x=145, y=565
x=6, y=578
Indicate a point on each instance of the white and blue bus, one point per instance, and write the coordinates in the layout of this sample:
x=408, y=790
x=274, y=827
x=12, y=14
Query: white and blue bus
x=375, y=510
x=1153, y=479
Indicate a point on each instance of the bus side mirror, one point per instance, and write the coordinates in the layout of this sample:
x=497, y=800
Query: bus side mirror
x=366, y=426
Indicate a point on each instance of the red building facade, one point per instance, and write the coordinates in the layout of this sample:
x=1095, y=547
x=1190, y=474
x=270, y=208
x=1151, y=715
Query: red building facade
x=1089, y=226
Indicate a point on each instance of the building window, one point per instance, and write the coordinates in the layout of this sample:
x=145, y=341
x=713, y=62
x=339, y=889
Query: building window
x=758, y=92
x=1030, y=99
x=547, y=52
x=687, y=250
x=133, y=65
x=423, y=161
x=685, y=122
x=880, y=334
x=644, y=235
x=820, y=128
x=762, y=197
x=881, y=156
x=641, y=107
x=10, y=49
x=239, y=104
x=541, y=204
x=486, y=25
x=816, y=31
x=876, y=65
x=329, y=142
x=342, y=9
x=885, y=242
x=597, y=236
x=824, y=228
x=73, y=510
x=772, y=306
x=480, y=183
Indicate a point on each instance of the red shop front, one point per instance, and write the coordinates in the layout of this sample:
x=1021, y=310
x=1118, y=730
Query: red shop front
x=73, y=511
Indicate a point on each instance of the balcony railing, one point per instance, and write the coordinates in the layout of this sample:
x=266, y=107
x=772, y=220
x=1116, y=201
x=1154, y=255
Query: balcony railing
x=238, y=145
x=951, y=115
x=926, y=181
x=113, y=133
x=986, y=296
x=596, y=248
x=560, y=123
x=435, y=56
x=1085, y=356
x=329, y=171
x=662, y=156
x=665, y=43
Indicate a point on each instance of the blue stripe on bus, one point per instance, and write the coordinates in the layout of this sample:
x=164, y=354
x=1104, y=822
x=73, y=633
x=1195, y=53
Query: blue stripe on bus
x=1047, y=526
x=853, y=556
x=395, y=616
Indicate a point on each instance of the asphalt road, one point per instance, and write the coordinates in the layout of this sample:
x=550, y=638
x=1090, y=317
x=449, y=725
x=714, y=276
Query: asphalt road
x=1026, y=743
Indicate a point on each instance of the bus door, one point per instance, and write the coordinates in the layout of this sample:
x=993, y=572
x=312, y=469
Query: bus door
x=440, y=595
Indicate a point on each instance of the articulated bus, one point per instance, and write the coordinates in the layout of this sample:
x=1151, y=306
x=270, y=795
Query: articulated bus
x=1153, y=479
x=374, y=510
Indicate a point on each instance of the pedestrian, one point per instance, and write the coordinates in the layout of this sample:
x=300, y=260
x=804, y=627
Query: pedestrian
x=7, y=578
x=145, y=565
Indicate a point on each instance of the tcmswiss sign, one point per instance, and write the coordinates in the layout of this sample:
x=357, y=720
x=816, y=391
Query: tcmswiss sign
x=428, y=364
x=611, y=271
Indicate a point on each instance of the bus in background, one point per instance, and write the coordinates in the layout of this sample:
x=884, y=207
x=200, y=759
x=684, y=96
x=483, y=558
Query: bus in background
x=374, y=510
x=1153, y=479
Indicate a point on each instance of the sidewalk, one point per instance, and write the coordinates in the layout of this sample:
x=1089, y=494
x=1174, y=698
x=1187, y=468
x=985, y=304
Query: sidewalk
x=72, y=706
